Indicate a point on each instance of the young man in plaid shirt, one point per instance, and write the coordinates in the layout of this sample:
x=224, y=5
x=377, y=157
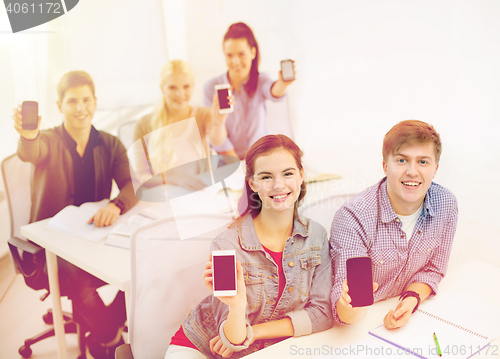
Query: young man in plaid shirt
x=405, y=224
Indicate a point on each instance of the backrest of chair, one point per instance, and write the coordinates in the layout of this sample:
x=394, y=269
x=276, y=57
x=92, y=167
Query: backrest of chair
x=166, y=282
x=278, y=117
x=126, y=133
x=323, y=210
x=16, y=178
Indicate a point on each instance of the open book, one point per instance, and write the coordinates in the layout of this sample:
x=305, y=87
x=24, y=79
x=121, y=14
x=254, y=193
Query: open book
x=459, y=324
x=73, y=220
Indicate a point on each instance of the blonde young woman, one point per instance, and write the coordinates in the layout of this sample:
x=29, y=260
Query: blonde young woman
x=171, y=141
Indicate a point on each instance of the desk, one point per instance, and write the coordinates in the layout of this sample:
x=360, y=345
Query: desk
x=476, y=274
x=110, y=264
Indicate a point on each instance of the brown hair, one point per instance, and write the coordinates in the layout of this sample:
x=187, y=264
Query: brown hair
x=74, y=79
x=410, y=132
x=241, y=30
x=250, y=202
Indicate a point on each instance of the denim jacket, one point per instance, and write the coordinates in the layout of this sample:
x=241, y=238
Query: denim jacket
x=305, y=299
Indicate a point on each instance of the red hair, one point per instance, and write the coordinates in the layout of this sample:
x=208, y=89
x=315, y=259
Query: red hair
x=410, y=132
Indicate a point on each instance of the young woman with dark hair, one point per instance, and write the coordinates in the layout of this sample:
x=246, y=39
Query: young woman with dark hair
x=283, y=265
x=251, y=89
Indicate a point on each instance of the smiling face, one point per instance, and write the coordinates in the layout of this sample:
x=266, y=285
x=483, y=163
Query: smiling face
x=78, y=106
x=239, y=56
x=277, y=181
x=409, y=172
x=177, y=90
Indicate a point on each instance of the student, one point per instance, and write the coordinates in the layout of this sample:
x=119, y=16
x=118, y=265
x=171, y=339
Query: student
x=166, y=145
x=283, y=269
x=405, y=224
x=251, y=89
x=74, y=163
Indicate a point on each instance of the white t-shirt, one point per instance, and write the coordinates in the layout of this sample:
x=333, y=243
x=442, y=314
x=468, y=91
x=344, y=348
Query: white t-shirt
x=408, y=222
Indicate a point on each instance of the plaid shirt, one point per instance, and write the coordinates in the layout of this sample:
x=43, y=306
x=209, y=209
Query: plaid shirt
x=368, y=226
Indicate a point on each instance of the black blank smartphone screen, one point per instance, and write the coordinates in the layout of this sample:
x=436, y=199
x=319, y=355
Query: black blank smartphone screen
x=225, y=275
x=223, y=101
x=30, y=115
x=360, y=281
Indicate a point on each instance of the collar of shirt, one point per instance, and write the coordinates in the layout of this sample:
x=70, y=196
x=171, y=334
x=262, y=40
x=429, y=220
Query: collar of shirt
x=249, y=239
x=388, y=214
x=94, y=139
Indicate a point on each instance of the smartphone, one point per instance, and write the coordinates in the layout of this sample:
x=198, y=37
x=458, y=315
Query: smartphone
x=360, y=281
x=287, y=72
x=223, y=91
x=30, y=115
x=224, y=273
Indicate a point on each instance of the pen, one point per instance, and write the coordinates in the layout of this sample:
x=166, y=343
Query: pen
x=437, y=344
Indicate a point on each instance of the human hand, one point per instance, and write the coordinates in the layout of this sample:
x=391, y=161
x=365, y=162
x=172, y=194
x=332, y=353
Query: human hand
x=217, y=118
x=401, y=315
x=345, y=299
x=18, y=124
x=105, y=216
x=238, y=300
x=286, y=83
x=217, y=347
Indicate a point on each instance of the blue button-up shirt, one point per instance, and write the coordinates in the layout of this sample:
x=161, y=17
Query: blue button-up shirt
x=248, y=122
x=368, y=226
x=305, y=299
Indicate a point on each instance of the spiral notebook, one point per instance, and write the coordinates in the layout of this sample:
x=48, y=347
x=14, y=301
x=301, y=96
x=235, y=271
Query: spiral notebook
x=460, y=326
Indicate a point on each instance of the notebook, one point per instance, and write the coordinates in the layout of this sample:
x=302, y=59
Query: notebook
x=458, y=323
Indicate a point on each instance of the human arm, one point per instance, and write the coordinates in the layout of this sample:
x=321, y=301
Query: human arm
x=425, y=281
x=216, y=129
x=279, y=88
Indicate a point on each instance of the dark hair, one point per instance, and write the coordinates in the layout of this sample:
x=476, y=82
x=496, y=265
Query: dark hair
x=74, y=79
x=410, y=131
x=250, y=201
x=241, y=30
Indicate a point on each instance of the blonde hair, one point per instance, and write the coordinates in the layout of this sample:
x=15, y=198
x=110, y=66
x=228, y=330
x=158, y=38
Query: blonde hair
x=160, y=118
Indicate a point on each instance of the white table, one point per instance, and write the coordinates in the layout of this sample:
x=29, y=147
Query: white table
x=111, y=264
x=479, y=276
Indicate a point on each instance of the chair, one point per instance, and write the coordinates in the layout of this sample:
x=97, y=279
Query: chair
x=166, y=281
x=29, y=258
x=126, y=133
x=278, y=117
x=323, y=210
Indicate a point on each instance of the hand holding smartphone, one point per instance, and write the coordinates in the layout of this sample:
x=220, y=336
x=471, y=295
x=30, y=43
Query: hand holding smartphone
x=287, y=71
x=360, y=281
x=223, y=91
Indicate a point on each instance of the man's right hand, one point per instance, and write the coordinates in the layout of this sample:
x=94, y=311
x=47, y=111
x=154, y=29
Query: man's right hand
x=347, y=313
x=18, y=124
